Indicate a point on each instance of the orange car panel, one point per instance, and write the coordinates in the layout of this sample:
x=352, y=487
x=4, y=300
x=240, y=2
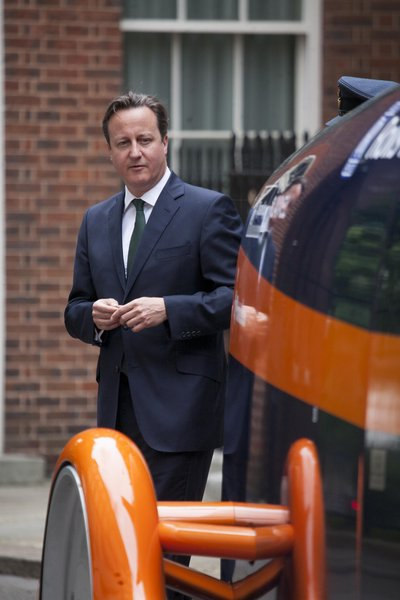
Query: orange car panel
x=323, y=373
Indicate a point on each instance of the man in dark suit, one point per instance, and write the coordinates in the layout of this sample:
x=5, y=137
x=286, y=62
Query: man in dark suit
x=159, y=323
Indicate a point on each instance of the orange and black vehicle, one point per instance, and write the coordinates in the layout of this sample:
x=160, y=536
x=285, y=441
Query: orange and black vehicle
x=315, y=341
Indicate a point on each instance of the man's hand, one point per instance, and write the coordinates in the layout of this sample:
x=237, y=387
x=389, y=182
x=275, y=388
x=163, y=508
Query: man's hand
x=103, y=311
x=141, y=313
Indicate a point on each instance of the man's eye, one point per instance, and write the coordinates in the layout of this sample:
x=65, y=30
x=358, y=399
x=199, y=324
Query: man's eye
x=121, y=143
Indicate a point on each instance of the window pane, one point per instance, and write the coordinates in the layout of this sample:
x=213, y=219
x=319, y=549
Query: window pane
x=207, y=82
x=210, y=9
x=270, y=10
x=268, y=82
x=150, y=9
x=147, y=64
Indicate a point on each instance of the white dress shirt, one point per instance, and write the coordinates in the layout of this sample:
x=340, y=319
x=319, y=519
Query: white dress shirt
x=128, y=220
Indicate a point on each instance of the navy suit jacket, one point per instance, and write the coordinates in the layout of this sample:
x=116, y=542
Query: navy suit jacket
x=176, y=370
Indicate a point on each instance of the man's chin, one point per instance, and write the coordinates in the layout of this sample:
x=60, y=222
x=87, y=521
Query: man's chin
x=138, y=187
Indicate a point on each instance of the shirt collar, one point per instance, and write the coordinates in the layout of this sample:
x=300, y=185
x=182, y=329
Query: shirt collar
x=151, y=196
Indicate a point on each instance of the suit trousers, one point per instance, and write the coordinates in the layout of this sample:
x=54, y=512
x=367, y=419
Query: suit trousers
x=177, y=476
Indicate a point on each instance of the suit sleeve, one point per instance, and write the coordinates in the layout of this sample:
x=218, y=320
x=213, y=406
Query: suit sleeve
x=78, y=312
x=209, y=310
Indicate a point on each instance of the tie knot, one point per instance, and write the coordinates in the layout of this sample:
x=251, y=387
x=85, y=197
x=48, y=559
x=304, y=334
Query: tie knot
x=138, y=203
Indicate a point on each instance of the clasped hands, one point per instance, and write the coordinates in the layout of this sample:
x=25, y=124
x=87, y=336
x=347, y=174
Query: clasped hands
x=137, y=314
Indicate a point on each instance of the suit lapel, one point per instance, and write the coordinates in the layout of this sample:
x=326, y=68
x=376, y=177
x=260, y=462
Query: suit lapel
x=162, y=213
x=115, y=231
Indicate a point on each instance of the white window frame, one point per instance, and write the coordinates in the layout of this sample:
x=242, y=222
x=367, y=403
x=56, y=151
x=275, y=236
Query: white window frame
x=308, y=77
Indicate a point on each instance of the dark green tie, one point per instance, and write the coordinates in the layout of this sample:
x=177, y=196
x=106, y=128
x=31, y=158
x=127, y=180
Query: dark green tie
x=137, y=231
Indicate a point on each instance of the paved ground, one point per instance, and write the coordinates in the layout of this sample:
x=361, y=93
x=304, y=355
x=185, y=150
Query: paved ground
x=22, y=520
x=18, y=588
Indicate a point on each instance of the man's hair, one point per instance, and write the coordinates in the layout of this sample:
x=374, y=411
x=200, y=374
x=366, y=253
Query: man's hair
x=135, y=100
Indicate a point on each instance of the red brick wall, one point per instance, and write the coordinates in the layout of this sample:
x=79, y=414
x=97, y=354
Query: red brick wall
x=63, y=64
x=362, y=39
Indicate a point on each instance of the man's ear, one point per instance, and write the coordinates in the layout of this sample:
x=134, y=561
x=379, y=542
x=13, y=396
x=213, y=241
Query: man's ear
x=165, y=143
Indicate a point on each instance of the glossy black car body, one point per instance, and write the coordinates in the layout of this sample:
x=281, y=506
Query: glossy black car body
x=315, y=341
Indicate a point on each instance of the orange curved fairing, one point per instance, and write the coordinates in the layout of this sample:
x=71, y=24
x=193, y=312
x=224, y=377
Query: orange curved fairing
x=305, y=499
x=122, y=515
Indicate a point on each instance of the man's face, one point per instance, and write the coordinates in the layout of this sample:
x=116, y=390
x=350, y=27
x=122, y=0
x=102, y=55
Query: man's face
x=136, y=149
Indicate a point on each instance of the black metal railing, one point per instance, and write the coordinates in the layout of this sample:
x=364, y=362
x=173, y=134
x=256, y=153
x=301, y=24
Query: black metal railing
x=239, y=166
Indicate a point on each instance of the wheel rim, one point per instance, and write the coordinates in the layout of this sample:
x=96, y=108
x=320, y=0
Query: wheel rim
x=66, y=564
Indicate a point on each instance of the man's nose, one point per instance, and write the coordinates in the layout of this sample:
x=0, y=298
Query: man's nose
x=134, y=149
